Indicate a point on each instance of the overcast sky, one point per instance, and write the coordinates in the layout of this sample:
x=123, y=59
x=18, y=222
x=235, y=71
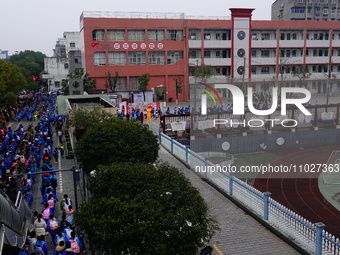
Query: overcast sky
x=36, y=24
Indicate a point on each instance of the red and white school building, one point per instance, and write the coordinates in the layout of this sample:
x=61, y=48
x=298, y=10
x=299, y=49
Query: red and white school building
x=172, y=46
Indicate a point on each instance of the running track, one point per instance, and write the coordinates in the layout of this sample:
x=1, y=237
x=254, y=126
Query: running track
x=300, y=192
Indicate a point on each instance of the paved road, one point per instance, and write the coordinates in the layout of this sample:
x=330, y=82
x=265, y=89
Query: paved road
x=240, y=233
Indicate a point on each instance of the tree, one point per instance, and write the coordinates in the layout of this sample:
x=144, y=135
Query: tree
x=204, y=72
x=65, y=87
x=12, y=81
x=111, y=82
x=150, y=210
x=31, y=61
x=88, y=83
x=143, y=83
x=86, y=118
x=302, y=72
x=116, y=140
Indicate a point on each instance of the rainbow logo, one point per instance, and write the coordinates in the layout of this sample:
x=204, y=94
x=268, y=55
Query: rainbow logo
x=211, y=94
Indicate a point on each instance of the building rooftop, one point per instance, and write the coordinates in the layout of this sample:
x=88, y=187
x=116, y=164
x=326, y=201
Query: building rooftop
x=146, y=15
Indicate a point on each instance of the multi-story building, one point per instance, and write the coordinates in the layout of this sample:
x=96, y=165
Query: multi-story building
x=170, y=47
x=4, y=54
x=319, y=10
x=66, y=58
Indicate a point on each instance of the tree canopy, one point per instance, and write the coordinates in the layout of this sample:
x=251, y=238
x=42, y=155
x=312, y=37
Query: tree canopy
x=144, y=209
x=204, y=72
x=12, y=81
x=31, y=61
x=86, y=118
x=116, y=140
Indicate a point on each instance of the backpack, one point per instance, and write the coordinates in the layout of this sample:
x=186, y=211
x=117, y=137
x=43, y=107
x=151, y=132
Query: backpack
x=38, y=250
x=53, y=224
x=75, y=246
x=51, y=203
x=46, y=213
x=67, y=205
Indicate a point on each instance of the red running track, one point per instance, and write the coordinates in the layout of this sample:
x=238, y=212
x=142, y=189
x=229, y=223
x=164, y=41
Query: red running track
x=300, y=192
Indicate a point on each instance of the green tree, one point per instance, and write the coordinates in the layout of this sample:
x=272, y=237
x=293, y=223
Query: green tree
x=65, y=87
x=116, y=140
x=88, y=83
x=144, y=209
x=302, y=72
x=111, y=81
x=143, y=83
x=204, y=72
x=32, y=61
x=86, y=118
x=12, y=81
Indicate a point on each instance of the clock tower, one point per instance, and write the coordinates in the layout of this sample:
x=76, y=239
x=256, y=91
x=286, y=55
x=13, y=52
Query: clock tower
x=241, y=44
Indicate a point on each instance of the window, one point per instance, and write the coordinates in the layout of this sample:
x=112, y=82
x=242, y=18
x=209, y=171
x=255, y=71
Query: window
x=121, y=83
x=66, y=65
x=134, y=83
x=57, y=84
x=294, y=36
x=207, y=54
x=116, y=35
x=156, y=35
x=175, y=35
x=264, y=53
x=137, y=58
x=288, y=36
x=254, y=36
x=156, y=57
x=99, y=59
x=98, y=35
x=117, y=58
x=264, y=70
x=253, y=53
x=174, y=56
x=325, y=1
x=207, y=36
x=193, y=53
x=253, y=70
x=300, y=1
x=265, y=36
x=136, y=35
x=288, y=53
x=194, y=34
x=293, y=53
x=77, y=60
x=192, y=71
x=325, y=11
x=282, y=36
x=221, y=70
x=72, y=44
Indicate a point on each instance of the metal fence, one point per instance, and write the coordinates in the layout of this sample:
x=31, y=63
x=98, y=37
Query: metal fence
x=310, y=236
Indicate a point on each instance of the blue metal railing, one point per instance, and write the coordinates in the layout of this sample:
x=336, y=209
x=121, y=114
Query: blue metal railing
x=319, y=242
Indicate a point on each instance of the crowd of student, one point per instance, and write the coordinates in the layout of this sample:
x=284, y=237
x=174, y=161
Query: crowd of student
x=23, y=154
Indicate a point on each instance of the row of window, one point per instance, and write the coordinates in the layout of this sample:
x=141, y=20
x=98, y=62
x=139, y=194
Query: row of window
x=137, y=35
x=317, y=1
x=317, y=10
x=136, y=58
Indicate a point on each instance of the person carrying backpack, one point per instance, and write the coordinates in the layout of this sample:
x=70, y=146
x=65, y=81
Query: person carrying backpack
x=52, y=226
x=41, y=248
x=46, y=212
x=75, y=243
x=65, y=203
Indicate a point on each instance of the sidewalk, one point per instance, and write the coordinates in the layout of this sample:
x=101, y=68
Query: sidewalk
x=240, y=233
